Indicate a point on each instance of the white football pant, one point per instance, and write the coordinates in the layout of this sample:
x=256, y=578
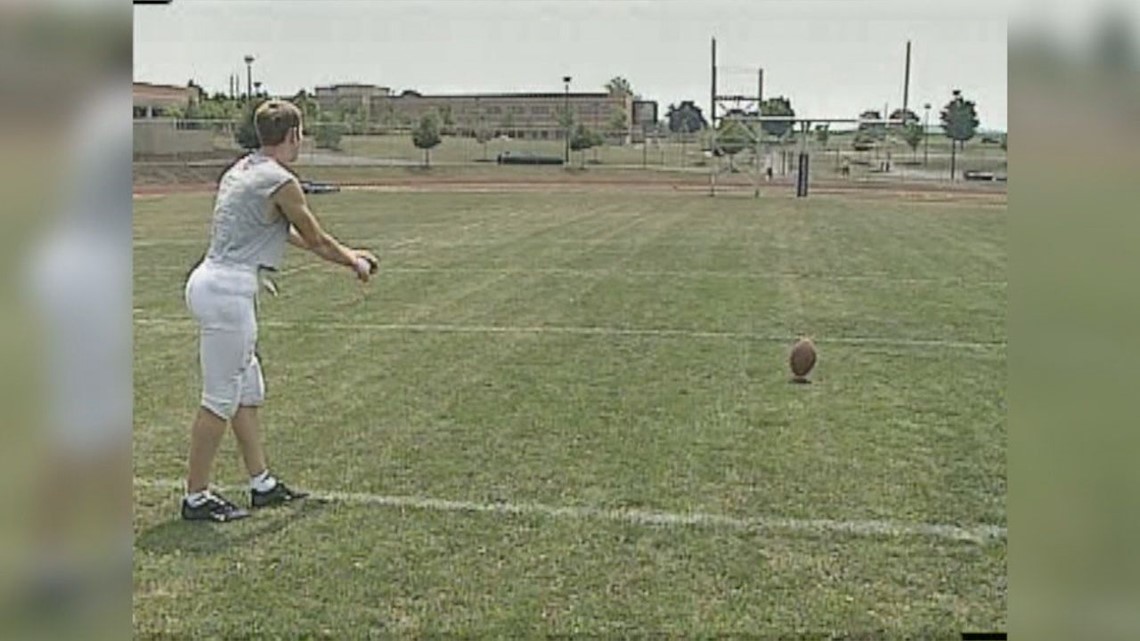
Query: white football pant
x=223, y=300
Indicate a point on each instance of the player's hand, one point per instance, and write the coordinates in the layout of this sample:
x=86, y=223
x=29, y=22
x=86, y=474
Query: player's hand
x=366, y=264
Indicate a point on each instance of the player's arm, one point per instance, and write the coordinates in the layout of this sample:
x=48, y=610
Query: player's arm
x=306, y=233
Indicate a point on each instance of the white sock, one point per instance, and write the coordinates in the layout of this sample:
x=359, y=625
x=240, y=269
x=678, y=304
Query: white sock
x=196, y=499
x=262, y=482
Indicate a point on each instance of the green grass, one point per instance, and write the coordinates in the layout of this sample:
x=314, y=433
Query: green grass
x=663, y=153
x=369, y=394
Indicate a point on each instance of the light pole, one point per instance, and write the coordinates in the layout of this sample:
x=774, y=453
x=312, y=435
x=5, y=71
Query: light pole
x=249, y=77
x=566, y=115
x=926, y=137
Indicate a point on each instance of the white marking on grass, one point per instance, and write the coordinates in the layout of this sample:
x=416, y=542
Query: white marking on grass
x=586, y=331
x=977, y=534
x=556, y=271
x=869, y=278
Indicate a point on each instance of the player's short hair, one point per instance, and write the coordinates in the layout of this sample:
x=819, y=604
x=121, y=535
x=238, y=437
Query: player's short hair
x=273, y=120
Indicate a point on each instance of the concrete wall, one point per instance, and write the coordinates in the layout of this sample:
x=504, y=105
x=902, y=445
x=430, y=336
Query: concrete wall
x=161, y=138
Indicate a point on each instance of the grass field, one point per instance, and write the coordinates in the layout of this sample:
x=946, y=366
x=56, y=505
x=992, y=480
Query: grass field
x=671, y=153
x=569, y=413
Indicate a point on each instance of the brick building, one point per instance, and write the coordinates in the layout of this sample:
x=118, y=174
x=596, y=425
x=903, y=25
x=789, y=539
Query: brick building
x=519, y=115
x=154, y=101
x=351, y=96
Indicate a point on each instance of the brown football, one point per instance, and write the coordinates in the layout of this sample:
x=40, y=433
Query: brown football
x=802, y=358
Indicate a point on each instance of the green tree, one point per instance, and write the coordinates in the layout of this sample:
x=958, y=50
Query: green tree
x=908, y=117
x=246, y=134
x=310, y=110
x=426, y=136
x=779, y=106
x=583, y=139
x=565, y=118
x=483, y=136
x=685, y=118
x=446, y=119
x=328, y=133
x=356, y=120
x=913, y=134
x=619, y=123
x=872, y=131
x=960, y=123
x=619, y=85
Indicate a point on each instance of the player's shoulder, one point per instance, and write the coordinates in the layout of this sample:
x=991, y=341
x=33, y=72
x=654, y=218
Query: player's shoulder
x=232, y=165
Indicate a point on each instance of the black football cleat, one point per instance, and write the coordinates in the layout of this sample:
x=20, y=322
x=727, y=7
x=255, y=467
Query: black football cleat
x=216, y=509
x=279, y=495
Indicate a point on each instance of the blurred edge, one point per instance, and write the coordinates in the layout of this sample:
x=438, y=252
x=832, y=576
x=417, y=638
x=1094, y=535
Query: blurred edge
x=65, y=180
x=1073, y=451
x=1075, y=85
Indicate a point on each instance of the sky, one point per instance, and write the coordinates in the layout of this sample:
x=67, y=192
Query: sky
x=831, y=58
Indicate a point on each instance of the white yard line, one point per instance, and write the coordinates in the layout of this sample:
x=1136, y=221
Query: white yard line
x=977, y=534
x=581, y=331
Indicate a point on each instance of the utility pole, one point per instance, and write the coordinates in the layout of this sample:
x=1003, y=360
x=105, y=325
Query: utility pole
x=566, y=115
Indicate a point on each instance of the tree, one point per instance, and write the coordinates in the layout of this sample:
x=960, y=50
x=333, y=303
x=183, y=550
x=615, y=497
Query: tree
x=246, y=134
x=583, y=139
x=619, y=85
x=426, y=136
x=869, y=134
x=310, y=110
x=483, y=136
x=685, y=118
x=960, y=123
x=354, y=117
x=328, y=133
x=913, y=135
x=823, y=134
x=445, y=118
x=619, y=123
x=873, y=131
x=565, y=118
x=199, y=92
x=908, y=117
x=1004, y=142
x=779, y=106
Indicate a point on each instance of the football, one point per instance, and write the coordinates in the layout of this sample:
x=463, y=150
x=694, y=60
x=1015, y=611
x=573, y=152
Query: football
x=802, y=359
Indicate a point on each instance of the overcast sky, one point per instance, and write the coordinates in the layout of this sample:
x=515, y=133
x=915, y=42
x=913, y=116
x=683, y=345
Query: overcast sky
x=830, y=57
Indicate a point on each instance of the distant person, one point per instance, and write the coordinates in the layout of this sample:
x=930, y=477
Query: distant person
x=260, y=207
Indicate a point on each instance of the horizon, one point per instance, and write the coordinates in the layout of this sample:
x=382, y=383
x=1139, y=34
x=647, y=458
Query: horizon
x=440, y=48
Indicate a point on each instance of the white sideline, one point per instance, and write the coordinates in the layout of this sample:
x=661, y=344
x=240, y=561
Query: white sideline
x=584, y=331
x=977, y=534
x=871, y=278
